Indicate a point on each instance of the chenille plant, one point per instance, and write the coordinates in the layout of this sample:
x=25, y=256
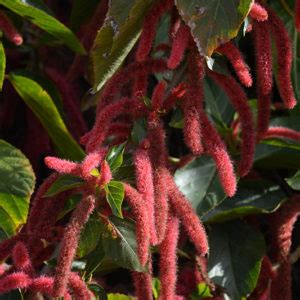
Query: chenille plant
x=150, y=149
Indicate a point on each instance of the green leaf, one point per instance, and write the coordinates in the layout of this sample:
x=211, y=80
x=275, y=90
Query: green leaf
x=252, y=197
x=43, y=107
x=63, y=183
x=279, y=153
x=2, y=65
x=294, y=181
x=70, y=204
x=17, y=182
x=156, y=286
x=202, y=291
x=115, y=195
x=82, y=11
x=217, y=103
x=235, y=257
x=199, y=182
x=116, y=38
x=118, y=297
x=13, y=295
x=119, y=244
x=89, y=237
x=115, y=156
x=177, y=119
x=99, y=291
x=45, y=21
x=213, y=22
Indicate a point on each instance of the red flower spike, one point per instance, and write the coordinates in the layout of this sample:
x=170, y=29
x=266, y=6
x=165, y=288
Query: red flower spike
x=297, y=15
x=193, y=104
x=237, y=61
x=157, y=137
x=238, y=99
x=18, y=280
x=105, y=172
x=92, y=161
x=140, y=84
x=258, y=13
x=20, y=257
x=284, y=59
x=192, y=128
x=143, y=285
x=122, y=77
x=69, y=243
x=144, y=183
x=168, y=260
x=264, y=81
x=42, y=284
x=217, y=149
x=149, y=28
x=161, y=207
x=9, y=30
x=179, y=45
x=79, y=288
x=176, y=94
x=62, y=166
x=282, y=132
x=140, y=213
x=190, y=221
x=158, y=95
x=106, y=117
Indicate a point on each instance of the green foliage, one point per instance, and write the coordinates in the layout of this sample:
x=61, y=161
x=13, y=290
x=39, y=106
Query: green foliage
x=199, y=182
x=116, y=38
x=213, y=22
x=235, y=257
x=2, y=64
x=40, y=102
x=17, y=182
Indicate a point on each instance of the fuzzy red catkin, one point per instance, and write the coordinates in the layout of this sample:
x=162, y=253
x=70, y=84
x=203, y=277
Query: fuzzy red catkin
x=282, y=132
x=9, y=29
x=190, y=221
x=140, y=213
x=297, y=15
x=179, y=45
x=140, y=84
x=62, y=165
x=17, y=280
x=123, y=76
x=7, y=245
x=92, y=161
x=142, y=285
x=264, y=76
x=237, y=61
x=258, y=13
x=104, y=119
x=161, y=206
x=42, y=284
x=69, y=243
x=20, y=257
x=217, y=149
x=79, y=288
x=158, y=95
x=149, y=28
x=284, y=58
x=157, y=138
x=193, y=103
x=144, y=183
x=238, y=99
x=105, y=173
x=168, y=260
